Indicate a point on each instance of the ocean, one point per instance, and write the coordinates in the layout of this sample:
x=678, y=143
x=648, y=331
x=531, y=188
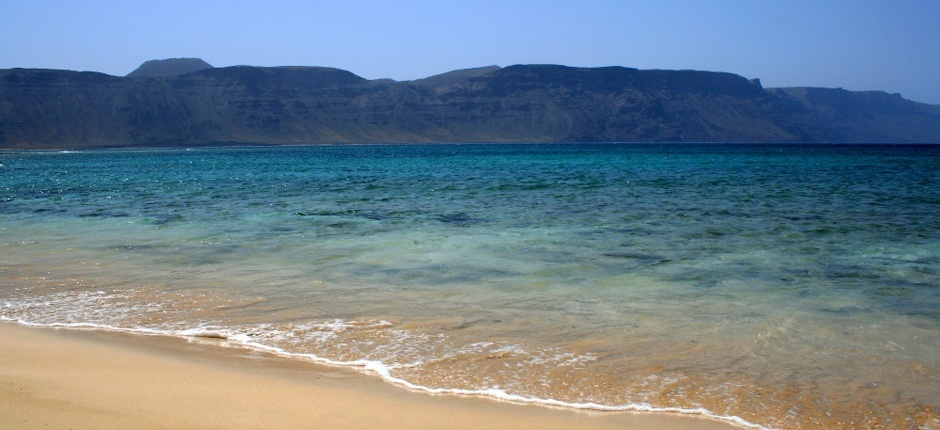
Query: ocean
x=771, y=286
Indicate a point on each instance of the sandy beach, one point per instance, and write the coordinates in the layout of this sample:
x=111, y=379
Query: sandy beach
x=66, y=379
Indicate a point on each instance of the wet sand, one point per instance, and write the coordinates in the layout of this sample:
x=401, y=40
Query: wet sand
x=98, y=380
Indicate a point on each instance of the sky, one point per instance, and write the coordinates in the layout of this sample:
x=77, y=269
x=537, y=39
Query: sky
x=888, y=45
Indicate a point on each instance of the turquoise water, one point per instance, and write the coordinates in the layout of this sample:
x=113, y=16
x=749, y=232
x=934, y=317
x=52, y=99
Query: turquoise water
x=773, y=286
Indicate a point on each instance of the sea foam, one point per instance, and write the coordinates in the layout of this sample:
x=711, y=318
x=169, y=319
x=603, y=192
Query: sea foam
x=98, y=310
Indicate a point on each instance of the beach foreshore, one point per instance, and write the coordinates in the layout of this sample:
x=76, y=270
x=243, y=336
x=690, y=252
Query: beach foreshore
x=77, y=379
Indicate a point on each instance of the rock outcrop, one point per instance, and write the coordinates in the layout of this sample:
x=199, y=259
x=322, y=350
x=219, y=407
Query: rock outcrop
x=170, y=67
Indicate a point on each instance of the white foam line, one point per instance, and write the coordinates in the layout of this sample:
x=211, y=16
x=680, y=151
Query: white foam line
x=382, y=371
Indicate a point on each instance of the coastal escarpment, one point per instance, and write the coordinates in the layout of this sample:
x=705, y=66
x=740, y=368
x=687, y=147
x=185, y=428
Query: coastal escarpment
x=187, y=103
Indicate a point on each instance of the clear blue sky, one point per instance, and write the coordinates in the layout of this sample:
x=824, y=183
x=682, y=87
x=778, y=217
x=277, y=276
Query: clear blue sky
x=890, y=45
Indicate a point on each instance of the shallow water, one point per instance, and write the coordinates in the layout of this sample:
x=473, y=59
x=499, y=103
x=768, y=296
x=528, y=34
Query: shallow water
x=774, y=286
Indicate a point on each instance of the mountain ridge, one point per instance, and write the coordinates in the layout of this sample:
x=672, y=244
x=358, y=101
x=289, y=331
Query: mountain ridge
x=239, y=105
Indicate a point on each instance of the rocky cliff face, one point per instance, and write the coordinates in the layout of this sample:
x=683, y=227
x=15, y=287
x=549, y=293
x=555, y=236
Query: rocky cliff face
x=835, y=115
x=525, y=103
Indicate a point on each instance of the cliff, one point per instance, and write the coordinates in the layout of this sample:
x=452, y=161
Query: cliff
x=523, y=103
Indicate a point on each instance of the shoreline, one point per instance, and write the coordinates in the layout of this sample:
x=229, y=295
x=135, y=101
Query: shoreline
x=224, y=146
x=96, y=379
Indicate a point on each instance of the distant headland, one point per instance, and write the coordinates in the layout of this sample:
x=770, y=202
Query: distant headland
x=187, y=102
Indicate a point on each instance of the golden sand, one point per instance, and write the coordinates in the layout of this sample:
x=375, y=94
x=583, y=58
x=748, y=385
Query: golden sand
x=63, y=379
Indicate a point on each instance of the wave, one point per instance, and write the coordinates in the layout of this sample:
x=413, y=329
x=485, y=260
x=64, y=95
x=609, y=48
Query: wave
x=246, y=339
